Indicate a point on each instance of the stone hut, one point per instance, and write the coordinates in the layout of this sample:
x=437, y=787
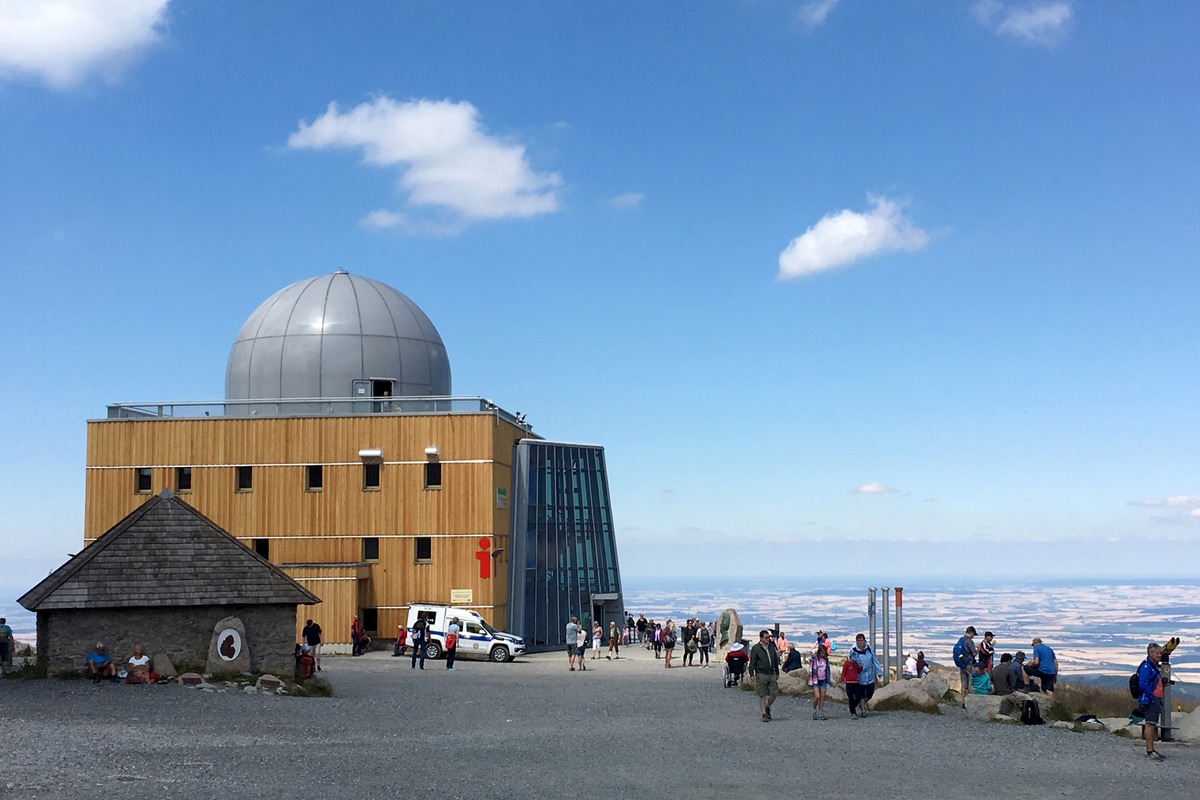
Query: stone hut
x=164, y=577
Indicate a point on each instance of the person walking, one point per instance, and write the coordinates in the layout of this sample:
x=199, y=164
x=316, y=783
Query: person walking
x=869, y=669
x=312, y=637
x=668, y=642
x=452, y=631
x=571, y=637
x=642, y=622
x=355, y=636
x=704, y=636
x=581, y=646
x=764, y=668
x=614, y=641
x=818, y=678
x=597, y=636
x=657, y=636
x=1150, y=683
x=420, y=634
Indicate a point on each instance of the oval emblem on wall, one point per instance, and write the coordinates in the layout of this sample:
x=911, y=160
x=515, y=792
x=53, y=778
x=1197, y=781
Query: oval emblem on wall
x=229, y=644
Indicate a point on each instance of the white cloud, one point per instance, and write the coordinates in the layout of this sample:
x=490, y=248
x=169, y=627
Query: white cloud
x=384, y=219
x=848, y=236
x=1178, y=501
x=813, y=14
x=627, y=200
x=446, y=159
x=875, y=488
x=62, y=42
x=1044, y=23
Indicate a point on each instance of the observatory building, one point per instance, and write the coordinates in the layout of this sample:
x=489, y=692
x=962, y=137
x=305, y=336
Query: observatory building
x=341, y=455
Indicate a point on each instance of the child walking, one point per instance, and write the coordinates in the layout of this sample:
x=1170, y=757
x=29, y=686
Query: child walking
x=818, y=678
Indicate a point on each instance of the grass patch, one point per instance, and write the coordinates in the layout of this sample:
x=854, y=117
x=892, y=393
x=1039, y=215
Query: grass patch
x=29, y=671
x=1076, y=700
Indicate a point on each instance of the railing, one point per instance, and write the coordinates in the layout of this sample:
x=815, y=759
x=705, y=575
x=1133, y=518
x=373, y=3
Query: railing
x=315, y=407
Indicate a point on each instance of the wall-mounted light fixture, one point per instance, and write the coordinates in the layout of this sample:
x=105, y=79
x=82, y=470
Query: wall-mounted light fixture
x=431, y=451
x=370, y=454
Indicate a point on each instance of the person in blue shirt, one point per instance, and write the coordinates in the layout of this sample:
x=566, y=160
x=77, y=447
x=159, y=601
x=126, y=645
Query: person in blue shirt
x=1043, y=666
x=869, y=670
x=100, y=665
x=1150, y=684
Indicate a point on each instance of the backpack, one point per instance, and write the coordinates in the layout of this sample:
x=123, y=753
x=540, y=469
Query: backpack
x=1135, y=686
x=850, y=671
x=1031, y=714
x=705, y=637
x=962, y=658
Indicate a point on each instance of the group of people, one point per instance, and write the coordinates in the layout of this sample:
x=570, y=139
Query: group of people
x=979, y=673
x=100, y=666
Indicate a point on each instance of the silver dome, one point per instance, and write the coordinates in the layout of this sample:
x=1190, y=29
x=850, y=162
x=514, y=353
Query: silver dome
x=317, y=337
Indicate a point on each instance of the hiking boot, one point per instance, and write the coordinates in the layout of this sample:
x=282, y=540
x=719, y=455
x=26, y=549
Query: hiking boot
x=766, y=718
x=769, y=714
x=853, y=715
x=1154, y=755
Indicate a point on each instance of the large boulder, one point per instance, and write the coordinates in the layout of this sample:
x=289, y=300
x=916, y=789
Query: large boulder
x=729, y=629
x=1011, y=704
x=936, y=684
x=163, y=666
x=1116, y=724
x=902, y=695
x=983, y=707
x=794, y=683
x=1186, y=727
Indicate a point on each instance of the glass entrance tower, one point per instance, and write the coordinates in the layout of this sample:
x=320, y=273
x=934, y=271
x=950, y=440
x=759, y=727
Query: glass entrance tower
x=564, y=559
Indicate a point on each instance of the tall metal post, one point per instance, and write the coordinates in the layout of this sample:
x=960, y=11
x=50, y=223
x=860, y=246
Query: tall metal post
x=871, y=615
x=887, y=641
x=899, y=631
x=1165, y=732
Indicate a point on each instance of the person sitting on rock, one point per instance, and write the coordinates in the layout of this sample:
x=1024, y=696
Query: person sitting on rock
x=922, y=664
x=910, y=666
x=139, y=666
x=1004, y=680
x=1018, y=668
x=792, y=661
x=100, y=665
x=981, y=679
x=305, y=663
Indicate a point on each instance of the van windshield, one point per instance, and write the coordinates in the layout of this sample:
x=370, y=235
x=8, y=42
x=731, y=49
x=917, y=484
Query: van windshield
x=488, y=627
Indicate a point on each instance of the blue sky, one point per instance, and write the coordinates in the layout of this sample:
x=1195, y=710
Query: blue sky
x=851, y=288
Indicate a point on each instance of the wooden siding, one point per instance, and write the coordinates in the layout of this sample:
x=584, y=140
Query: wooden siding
x=328, y=527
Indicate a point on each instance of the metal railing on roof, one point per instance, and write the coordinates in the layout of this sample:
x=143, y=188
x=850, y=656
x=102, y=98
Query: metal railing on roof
x=315, y=407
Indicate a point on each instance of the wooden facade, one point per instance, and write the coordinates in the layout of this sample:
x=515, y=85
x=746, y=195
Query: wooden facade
x=363, y=544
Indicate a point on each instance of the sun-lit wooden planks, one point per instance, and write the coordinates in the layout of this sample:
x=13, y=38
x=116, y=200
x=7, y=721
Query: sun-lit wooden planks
x=332, y=525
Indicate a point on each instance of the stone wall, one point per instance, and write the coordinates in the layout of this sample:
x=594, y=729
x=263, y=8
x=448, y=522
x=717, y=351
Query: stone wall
x=183, y=633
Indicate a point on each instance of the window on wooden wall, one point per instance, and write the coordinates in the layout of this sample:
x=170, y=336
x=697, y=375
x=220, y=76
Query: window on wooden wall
x=370, y=477
x=262, y=547
x=424, y=549
x=183, y=479
x=245, y=479
x=142, y=480
x=371, y=548
x=433, y=475
x=314, y=478
x=370, y=620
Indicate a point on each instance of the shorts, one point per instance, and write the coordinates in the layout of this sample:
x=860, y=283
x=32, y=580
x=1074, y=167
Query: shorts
x=580, y=650
x=766, y=683
x=1152, y=711
x=571, y=648
x=819, y=684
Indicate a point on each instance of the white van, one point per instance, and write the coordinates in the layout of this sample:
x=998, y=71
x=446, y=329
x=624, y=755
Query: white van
x=477, y=639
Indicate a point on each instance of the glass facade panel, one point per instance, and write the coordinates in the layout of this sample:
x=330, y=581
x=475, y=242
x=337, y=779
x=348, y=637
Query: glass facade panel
x=565, y=559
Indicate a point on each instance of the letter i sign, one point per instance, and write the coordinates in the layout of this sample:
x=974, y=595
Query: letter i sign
x=484, y=557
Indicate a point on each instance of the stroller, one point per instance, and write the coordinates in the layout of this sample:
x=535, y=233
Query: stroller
x=735, y=665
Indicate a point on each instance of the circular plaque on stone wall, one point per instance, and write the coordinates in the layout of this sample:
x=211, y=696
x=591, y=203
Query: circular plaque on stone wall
x=229, y=644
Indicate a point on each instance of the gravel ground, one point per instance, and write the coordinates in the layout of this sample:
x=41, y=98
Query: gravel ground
x=532, y=728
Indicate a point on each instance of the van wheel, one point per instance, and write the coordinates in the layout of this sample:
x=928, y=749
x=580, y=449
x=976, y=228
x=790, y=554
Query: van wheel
x=499, y=654
x=433, y=651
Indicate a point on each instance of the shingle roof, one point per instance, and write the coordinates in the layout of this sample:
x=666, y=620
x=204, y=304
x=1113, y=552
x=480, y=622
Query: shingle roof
x=165, y=553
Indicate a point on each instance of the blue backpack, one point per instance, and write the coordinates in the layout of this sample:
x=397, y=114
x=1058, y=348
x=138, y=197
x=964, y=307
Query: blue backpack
x=962, y=658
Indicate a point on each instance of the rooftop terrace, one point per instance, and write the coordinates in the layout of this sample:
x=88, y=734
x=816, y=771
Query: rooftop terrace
x=315, y=407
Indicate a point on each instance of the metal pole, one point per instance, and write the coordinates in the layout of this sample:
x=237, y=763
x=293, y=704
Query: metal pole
x=899, y=631
x=871, y=615
x=1164, y=730
x=886, y=639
